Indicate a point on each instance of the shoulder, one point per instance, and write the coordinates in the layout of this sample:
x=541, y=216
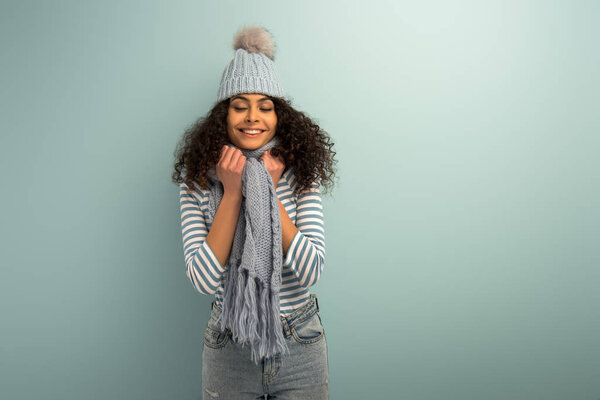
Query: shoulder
x=195, y=192
x=290, y=178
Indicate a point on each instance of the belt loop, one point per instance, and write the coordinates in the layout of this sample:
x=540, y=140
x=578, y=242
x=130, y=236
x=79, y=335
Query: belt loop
x=317, y=301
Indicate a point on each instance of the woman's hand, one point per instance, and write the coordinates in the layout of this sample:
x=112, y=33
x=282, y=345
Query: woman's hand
x=275, y=165
x=229, y=169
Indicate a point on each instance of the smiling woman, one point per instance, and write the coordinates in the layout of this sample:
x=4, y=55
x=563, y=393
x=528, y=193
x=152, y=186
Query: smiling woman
x=253, y=235
x=251, y=120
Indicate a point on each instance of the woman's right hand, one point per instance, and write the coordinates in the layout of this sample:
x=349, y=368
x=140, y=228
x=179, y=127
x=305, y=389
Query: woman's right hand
x=229, y=169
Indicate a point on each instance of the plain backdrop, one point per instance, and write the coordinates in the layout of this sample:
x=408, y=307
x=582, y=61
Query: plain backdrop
x=462, y=235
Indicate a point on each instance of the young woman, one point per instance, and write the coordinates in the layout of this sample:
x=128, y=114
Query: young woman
x=253, y=233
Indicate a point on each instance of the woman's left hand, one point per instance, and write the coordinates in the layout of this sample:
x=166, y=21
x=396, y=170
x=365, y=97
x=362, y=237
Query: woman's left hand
x=275, y=165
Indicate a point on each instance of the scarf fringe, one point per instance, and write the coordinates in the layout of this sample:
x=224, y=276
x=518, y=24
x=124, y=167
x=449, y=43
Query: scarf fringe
x=258, y=329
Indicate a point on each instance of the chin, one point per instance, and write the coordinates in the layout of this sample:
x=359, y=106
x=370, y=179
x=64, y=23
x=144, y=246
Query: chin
x=254, y=143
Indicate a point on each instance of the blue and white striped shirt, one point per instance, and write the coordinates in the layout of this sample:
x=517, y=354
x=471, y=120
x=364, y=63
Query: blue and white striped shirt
x=302, y=265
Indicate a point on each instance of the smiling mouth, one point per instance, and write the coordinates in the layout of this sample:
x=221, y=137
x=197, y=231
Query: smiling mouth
x=251, y=132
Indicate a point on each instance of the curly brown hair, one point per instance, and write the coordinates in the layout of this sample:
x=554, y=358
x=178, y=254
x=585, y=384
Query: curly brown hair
x=304, y=147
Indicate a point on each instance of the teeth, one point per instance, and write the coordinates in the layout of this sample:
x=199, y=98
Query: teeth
x=252, y=132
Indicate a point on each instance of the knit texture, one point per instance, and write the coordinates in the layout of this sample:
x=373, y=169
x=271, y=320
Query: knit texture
x=250, y=73
x=251, y=299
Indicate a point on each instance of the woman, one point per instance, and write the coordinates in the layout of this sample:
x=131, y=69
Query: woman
x=253, y=232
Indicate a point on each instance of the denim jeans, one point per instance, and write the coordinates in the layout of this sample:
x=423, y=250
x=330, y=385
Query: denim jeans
x=229, y=374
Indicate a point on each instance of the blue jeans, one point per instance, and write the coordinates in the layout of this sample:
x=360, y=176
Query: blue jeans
x=229, y=374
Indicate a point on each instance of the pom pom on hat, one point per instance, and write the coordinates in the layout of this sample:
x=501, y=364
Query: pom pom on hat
x=255, y=39
x=252, y=69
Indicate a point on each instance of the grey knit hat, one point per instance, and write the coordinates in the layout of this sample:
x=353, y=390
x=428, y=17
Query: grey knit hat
x=252, y=69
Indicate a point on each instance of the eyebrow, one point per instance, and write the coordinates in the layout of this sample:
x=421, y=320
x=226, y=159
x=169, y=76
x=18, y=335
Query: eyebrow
x=245, y=98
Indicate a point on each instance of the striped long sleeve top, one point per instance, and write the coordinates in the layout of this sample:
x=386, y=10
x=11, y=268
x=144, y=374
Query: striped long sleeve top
x=302, y=265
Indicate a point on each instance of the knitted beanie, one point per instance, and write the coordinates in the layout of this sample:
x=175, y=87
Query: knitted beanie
x=252, y=69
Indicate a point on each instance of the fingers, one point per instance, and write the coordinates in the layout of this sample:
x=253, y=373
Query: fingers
x=230, y=155
x=240, y=161
x=225, y=154
x=272, y=153
x=233, y=159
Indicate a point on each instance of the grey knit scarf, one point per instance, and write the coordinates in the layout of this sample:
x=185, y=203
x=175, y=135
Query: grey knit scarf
x=251, y=299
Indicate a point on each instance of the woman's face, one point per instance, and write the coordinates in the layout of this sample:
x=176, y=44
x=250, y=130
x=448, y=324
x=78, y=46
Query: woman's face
x=248, y=113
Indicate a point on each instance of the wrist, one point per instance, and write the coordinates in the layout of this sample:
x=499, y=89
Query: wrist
x=233, y=195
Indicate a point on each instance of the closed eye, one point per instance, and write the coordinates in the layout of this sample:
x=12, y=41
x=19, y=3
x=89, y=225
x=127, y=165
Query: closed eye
x=262, y=109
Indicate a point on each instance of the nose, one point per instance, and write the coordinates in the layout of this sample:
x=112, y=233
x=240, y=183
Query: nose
x=251, y=116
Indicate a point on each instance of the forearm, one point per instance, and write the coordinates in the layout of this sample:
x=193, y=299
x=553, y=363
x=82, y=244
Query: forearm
x=288, y=229
x=220, y=236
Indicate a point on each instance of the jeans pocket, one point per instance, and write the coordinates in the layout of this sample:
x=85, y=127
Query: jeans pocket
x=215, y=339
x=308, y=331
